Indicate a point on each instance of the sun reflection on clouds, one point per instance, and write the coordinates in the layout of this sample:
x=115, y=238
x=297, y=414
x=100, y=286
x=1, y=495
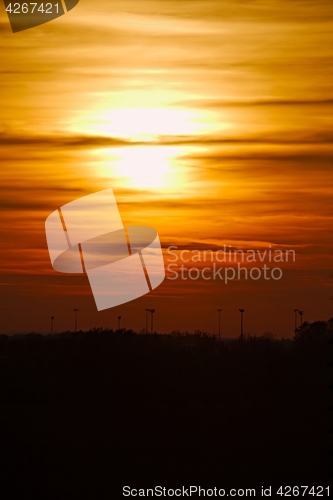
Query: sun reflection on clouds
x=142, y=166
x=141, y=123
x=145, y=123
x=155, y=165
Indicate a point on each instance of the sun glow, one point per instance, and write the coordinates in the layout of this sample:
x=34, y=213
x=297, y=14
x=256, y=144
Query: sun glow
x=143, y=124
x=145, y=166
x=142, y=166
x=147, y=161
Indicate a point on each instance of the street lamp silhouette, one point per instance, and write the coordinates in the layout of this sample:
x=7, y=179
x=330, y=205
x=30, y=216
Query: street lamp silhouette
x=295, y=312
x=119, y=318
x=301, y=315
x=52, y=319
x=152, y=320
x=147, y=311
x=151, y=311
x=241, y=325
x=76, y=311
x=219, y=311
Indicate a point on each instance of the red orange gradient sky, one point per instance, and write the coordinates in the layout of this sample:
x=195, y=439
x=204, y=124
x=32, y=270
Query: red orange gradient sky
x=212, y=122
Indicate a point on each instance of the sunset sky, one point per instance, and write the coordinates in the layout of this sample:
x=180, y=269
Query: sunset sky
x=211, y=121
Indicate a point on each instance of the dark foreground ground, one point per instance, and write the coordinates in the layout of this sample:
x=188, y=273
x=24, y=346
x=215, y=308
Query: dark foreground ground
x=82, y=415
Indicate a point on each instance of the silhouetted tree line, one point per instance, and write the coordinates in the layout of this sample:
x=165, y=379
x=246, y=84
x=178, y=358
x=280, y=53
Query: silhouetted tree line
x=179, y=368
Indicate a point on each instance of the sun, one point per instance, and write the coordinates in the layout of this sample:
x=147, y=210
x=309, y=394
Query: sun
x=146, y=161
x=142, y=123
x=140, y=166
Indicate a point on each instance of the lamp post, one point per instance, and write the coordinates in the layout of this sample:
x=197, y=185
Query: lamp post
x=301, y=315
x=295, y=313
x=219, y=311
x=52, y=320
x=152, y=320
x=75, y=326
x=119, y=318
x=147, y=316
x=241, y=324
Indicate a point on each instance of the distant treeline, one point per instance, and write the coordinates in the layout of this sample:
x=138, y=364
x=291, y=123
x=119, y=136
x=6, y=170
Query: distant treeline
x=125, y=367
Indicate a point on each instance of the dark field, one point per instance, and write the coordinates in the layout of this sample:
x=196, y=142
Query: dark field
x=83, y=415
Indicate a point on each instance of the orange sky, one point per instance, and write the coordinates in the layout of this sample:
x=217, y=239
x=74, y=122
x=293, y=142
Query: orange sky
x=212, y=122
